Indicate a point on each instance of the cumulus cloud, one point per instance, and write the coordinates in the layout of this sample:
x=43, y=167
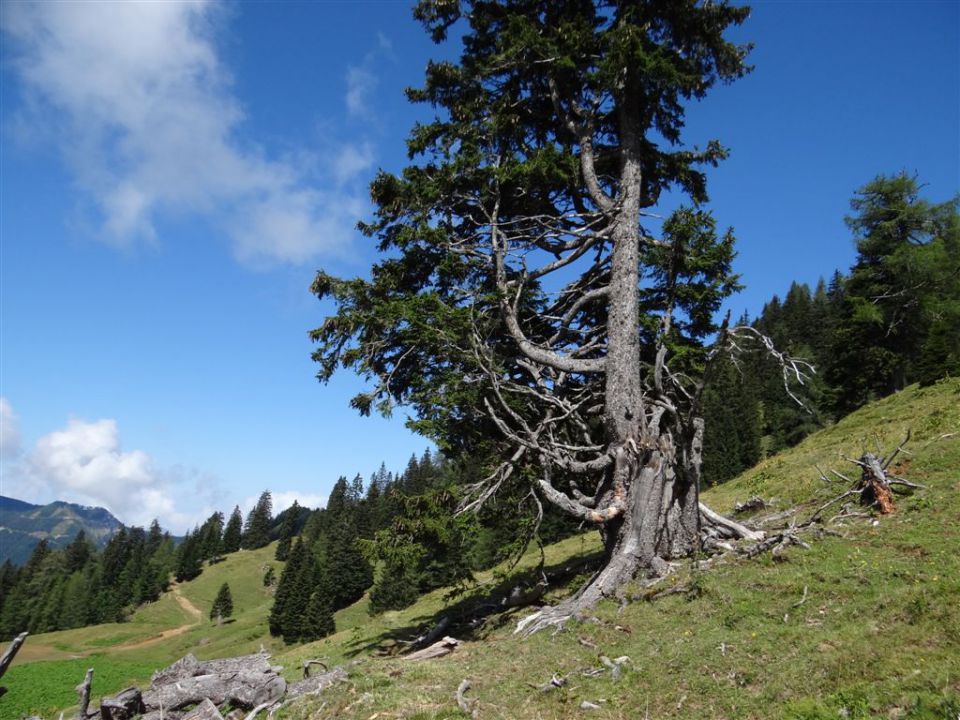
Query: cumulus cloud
x=85, y=463
x=141, y=106
x=9, y=431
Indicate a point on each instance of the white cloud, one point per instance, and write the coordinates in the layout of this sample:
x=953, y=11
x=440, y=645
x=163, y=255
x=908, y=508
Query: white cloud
x=9, y=431
x=85, y=463
x=140, y=104
x=352, y=161
x=361, y=83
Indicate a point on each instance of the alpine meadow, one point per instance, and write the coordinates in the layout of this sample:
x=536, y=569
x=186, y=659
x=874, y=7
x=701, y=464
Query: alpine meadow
x=561, y=442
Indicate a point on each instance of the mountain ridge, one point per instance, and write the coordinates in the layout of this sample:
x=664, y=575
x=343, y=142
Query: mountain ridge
x=23, y=525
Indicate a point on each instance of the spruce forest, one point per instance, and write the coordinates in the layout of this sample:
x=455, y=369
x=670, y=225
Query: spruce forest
x=636, y=502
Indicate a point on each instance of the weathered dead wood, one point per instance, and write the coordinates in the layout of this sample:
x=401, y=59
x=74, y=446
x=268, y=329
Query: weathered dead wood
x=206, y=710
x=802, y=600
x=555, y=683
x=83, y=694
x=776, y=544
x=740, y=531
x=316, y=684
x=258, y=709
x=754, y=503
x=432, y=635
x=438, y=649
x=188, y=667
x=125, y=705
x=874, y=487
x=242, y=688
x=521, y=596
x=10, y=653
x=470, y=707
x=308, y=663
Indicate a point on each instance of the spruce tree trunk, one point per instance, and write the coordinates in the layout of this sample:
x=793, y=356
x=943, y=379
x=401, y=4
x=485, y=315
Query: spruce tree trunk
x=655, y=475
x=656, y=481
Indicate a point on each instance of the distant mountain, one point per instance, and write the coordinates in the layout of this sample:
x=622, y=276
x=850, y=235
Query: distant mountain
x=23, y=525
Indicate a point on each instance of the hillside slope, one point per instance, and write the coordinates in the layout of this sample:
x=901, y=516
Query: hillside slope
x=23, y=525
x=864, y=624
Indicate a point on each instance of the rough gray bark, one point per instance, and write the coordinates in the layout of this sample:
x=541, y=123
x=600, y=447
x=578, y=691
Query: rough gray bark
x=242, y=688
x=188, y=667
x=83, y=695
x=125, y=705
x=206, y=710
x=11, y=652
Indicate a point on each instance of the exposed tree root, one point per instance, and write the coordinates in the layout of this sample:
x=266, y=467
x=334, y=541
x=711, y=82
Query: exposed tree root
x=716, y=533
x=722, y=536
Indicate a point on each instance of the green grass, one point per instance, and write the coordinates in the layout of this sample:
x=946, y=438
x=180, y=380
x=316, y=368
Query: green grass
x=44, y=688
x=878, y=635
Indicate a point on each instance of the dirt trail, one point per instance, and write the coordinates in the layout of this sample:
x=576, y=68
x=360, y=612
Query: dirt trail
x=184, y=603
x=187, y=607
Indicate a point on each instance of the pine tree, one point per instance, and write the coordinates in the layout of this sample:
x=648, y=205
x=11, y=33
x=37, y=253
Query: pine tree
x=398, y=581
x=347, y=563
x=78, y=552
x=211, y=538
x=222, y=605
x=285, y=594
x=904, y=282
x=318, y=620
x=287, y=529
x=256, y=531
x=233, y=532
x=188, y=563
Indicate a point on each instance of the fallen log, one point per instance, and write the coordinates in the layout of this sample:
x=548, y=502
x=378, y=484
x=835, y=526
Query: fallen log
x=739, y=531
x=125, y=705
x=243, y=688
x=438, y=649
x=206, y=710
x=188, y=667
x=432, y=636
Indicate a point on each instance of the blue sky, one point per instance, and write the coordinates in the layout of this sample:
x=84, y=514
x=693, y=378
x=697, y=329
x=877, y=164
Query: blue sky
x=173, y=174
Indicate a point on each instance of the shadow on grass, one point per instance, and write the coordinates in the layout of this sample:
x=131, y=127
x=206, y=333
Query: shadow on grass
x=481, y=609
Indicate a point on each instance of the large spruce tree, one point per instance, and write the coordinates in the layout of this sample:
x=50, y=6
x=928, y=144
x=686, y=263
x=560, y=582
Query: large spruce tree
x=528, y=291
x=900, y=318
x=233, y=533
x=256, y=529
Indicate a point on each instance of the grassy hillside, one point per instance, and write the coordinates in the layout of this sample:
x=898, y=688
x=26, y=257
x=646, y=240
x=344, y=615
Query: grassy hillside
x=864, y=624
